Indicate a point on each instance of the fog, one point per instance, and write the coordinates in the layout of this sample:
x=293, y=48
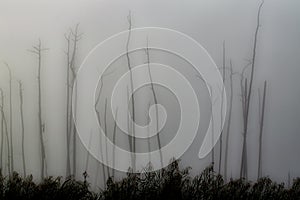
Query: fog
x=208, y=22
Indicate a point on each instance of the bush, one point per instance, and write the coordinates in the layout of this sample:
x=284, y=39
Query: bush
x=170, y=183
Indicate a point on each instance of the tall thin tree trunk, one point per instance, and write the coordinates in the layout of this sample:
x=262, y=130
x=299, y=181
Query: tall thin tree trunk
x=248, y=99
x=100, y=124
x=244, y=147
x=212, y=143
x=88, y=154
x=129, y=126
x=68, y=166
x=105, y=130
x=22, y=127
x=228, y=123
x=222, y=101
x=38, y=51
x=262, y=116
x=76, y=38
x=114, y=141
x=41, y=125
x=74, y=131
x=10, y=119
x=148, y=135
x=6, y=132
x=131, y=90
x=155, y=104
x=212, y=129
x=2, y=130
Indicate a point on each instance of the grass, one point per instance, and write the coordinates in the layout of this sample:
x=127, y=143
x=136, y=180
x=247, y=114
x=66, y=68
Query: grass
x=169, y=183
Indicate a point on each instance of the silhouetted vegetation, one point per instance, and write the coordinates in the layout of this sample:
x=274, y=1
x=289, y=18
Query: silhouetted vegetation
x=169, y=183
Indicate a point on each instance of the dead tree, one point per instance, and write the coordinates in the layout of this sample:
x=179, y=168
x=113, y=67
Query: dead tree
x=72, y=39
x=97, y=102
x=22, y=126
x=37, y=50
x=76, y=38
x=155, y=103
x=212, y=138
x=261, y=126
x=68, y=106
x=2, y=130
x=243, y=172
x=222, y=101
x=228, y=122
x=85, y=174
x=129, y=127
x=10, y=118
x=6, y=131
x=131, y=91
x=106, y=132
x=114, y=141
x=148, y=135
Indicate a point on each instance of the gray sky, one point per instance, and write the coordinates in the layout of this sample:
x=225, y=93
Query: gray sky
x=208, y=22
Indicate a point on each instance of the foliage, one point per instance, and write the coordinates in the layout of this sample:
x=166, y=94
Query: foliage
x=170, y=183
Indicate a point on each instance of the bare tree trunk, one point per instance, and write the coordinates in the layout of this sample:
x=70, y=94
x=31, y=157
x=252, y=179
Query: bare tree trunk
x=2, y=130
x=212, y=129
x=87, y=157
x=248, y=99
x=10, y=118
x=76, y=38
x=148, y=136
x=155, y=104
x=222, y=101
x=22, y=127
x=262, y=116
x=129, y=125
x=114, y=141
x=72, y=39
x=74, y=132
x=228, y=123
x=68, y=166
x=100, y=124
x=38, y=51
x=105, y=130
x=6, y=132
x=212, y=143
x=131, y=90
x=244, y=87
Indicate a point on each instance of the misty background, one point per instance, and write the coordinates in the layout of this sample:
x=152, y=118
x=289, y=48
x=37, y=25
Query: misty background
x=208, y=22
